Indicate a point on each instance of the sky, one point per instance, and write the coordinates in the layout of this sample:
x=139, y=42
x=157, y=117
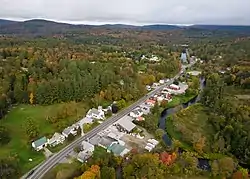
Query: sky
x=135, y=12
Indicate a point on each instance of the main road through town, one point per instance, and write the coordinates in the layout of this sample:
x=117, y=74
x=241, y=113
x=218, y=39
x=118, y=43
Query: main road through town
x=54, y=159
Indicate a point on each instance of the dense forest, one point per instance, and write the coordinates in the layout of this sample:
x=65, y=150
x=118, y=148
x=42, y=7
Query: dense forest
x=70, y=72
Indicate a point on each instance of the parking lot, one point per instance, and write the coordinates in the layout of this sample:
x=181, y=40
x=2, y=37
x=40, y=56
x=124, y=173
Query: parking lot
x=133, y=142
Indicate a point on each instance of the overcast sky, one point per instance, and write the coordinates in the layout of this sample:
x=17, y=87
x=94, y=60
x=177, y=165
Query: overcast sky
x=229, y=12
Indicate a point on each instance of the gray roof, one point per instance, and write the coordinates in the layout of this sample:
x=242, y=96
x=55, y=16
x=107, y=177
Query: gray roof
x=86, y=145
x=83, y=155
x=106, y=141
x=126, y=124
x=95, y=140
x=68, y=130
x=93, y=111
x=137, y=111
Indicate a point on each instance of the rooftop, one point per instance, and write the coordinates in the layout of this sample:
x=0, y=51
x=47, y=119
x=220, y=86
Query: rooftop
x=85, y=120
x=83, y=155
x=194, y=73
x=106, y=141
x=95, y=140
x=40, y=142
x=126, y=124
x=117, y=149
x=87, y=145
x=68, y=130
x=93, y=111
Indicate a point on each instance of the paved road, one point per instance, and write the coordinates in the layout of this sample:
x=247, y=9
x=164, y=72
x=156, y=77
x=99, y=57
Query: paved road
x=53, y=160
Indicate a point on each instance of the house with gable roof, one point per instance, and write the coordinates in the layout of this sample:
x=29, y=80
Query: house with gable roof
x=40, y=143
x=96, y=113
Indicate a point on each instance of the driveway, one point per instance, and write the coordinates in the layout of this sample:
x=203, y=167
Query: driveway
x=47, y=153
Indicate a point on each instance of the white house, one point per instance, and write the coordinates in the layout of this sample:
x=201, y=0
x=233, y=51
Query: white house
x=174, y=87
x=40, y=143
x=87, y=151
x=69, y=130
x=150, y=102
x=143, y=57
x=86, y=146
x=162, y=81
x=194, y=73
x=153, y=141
x=155, y=85
x=160, y=98
x=148, y=88
x=96, y=113
x=148, y=148
x=151, y=145
x=145, y=108
x=56, y=139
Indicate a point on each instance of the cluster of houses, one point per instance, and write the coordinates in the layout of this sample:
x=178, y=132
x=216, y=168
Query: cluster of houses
x=151, y=144
x=153, y=58
x=59, y=138
x=175, y=89
x=56, y=139
x=156, y=85
x=109, y=139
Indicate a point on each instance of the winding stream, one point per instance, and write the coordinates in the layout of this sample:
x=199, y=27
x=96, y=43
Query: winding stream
x=202, y=163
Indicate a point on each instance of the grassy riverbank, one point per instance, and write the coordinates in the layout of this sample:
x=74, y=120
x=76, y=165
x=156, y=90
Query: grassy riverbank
x=190, y=126
x=180, y=99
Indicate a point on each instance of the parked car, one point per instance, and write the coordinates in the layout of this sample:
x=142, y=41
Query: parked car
x=30, y=173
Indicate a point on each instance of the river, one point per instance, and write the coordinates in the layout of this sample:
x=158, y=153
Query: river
x=202, y=163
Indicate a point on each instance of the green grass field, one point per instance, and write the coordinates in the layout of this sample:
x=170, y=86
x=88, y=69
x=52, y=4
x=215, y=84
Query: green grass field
x=66, y=170
x=189, y=124
x=179, y=99
x=19, y=144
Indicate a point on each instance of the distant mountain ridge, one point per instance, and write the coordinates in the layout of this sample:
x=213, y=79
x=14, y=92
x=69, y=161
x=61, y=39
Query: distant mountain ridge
x=5, y=22
x=45, y=27
x=223, y=27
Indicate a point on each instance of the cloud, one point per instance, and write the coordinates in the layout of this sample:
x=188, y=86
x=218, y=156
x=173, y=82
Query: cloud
x=131, y=11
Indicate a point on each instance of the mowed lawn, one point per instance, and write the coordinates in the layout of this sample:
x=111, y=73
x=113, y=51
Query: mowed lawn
x=20, y=145
x=179, y=99
x=189, y=124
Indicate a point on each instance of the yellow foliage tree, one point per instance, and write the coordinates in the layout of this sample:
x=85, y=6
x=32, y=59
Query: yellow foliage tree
x=102, y=94
x=200, y=144
x=31, y=98
x=92, y=173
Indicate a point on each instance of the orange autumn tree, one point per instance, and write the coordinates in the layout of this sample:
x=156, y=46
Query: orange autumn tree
x=167, y=158
x=92, y=173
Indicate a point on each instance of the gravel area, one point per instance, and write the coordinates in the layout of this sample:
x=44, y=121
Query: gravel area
x=134, y=142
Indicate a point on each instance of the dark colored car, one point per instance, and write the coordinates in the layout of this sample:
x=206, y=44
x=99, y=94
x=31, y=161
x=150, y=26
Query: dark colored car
x=30, y=173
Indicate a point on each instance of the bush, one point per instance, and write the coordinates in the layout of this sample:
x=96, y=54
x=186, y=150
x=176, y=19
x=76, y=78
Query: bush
x=4, y=136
